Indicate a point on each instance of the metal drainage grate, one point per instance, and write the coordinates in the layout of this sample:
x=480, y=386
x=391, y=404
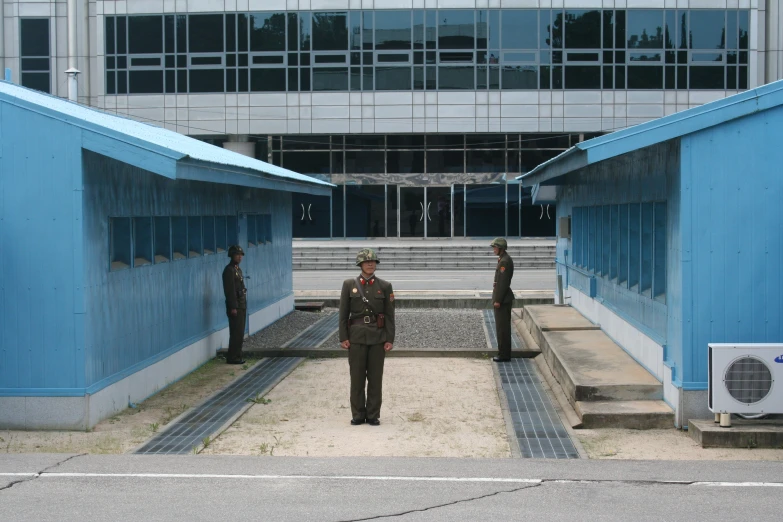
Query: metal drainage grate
x=538, y=428
x=206, y=419
x=315, y=335
x=489, y=320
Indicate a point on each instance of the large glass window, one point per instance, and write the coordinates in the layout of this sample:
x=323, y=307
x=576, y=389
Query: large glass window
x=519, y=29
x=391, y=50
x=486, y=210
x=330, y=31
x=36, y=67
x=267, y=32
x=456, y=29
x=365, y=210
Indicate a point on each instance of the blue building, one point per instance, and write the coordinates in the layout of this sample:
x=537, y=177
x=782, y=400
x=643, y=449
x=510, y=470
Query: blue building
x=112, y=243
x=670, y=235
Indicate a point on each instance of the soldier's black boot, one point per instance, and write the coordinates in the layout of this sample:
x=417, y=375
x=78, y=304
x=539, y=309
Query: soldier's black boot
x=357, y=422
x=374, y=422
x=501, y=359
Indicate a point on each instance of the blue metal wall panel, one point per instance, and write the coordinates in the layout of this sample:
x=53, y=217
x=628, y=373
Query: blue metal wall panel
x=732, y=194
x=137, y=315
x=41, y=228
x=641, y=176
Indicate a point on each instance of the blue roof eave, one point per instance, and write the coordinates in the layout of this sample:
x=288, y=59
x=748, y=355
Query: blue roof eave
x=197, y=170
x=655, y=131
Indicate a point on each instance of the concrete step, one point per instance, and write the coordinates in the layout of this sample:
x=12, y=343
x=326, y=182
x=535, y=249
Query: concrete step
x=591, y=367
x=635, y=415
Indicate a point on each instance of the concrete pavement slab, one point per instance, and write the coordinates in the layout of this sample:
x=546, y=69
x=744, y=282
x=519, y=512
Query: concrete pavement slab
x=590, y=470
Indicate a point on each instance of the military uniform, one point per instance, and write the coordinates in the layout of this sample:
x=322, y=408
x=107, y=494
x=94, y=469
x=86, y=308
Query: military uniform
x=502, y=293
x=236, y=299
x=359, y=324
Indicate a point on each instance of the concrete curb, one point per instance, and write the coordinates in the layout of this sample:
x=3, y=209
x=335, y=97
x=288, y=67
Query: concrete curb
x=315, y=353
x=431, y=301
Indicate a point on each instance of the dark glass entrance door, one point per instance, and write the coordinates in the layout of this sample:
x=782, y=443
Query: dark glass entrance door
x=438, y=211
x=412, y=211
x=311, y=216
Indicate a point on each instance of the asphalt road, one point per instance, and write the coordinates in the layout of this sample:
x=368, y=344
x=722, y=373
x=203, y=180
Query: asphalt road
x=428, y=280
x=130, y=487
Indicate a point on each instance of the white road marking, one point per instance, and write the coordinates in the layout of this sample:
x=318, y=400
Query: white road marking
x=386, y=478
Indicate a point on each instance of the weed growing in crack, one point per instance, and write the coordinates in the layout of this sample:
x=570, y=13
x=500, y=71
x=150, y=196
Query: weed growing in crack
x=258, y=399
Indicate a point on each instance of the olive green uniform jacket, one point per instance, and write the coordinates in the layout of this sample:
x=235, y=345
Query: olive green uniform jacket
x=501, y=291
x=381, y=301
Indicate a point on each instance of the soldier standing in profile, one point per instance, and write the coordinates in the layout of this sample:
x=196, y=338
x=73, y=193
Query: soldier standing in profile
x=236, y=304
x=503, y=299
x=367, y=331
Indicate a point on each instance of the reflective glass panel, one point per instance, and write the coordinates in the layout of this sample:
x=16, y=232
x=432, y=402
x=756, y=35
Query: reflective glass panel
x=456, y=29
x=330, y=79
x=364, y=162
x=330, y=32
x=405, y=162
x=583, y=29
x=486, y=210
x=267, y=31
x=205, y=33
x=365, y=210
x=645, y=29
x=519, y=29
x=456, y=78
x=392, y=78
x=145, y=34
x=393, y=30
x=707, y=29
x=520, y=77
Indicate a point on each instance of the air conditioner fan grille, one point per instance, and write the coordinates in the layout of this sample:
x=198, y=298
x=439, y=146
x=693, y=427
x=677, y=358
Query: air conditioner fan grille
x=748, y=380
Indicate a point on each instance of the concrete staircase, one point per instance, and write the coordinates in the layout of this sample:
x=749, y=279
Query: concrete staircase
x=423, y=257
x=604, y=385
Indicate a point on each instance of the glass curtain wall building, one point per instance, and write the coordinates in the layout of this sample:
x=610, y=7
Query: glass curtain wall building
x=446, y=49
x=421, y=112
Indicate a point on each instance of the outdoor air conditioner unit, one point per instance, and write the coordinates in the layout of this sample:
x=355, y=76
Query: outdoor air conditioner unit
x=745, y=379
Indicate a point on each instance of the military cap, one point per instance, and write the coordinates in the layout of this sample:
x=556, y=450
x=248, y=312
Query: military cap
x=234, y=250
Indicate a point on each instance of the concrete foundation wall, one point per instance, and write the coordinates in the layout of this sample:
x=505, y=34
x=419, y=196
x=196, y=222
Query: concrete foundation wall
x=81, y=413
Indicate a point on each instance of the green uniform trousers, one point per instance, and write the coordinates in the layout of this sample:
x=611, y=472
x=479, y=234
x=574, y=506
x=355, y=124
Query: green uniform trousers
x=503, y=329
x=366, y=362
x=236, y=335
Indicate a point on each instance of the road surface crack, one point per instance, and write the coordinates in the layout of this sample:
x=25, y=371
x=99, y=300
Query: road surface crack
x=447, y=504
x=37, y=474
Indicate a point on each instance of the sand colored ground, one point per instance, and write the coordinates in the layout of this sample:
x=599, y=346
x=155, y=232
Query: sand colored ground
x=431, y=408
x=661, y=445
x=129, y=429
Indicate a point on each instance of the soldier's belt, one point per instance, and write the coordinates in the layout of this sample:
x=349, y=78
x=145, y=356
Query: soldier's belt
x=367, y=319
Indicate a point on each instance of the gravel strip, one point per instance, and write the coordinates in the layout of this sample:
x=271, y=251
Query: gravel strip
x=283, y=330
x=440, y=329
